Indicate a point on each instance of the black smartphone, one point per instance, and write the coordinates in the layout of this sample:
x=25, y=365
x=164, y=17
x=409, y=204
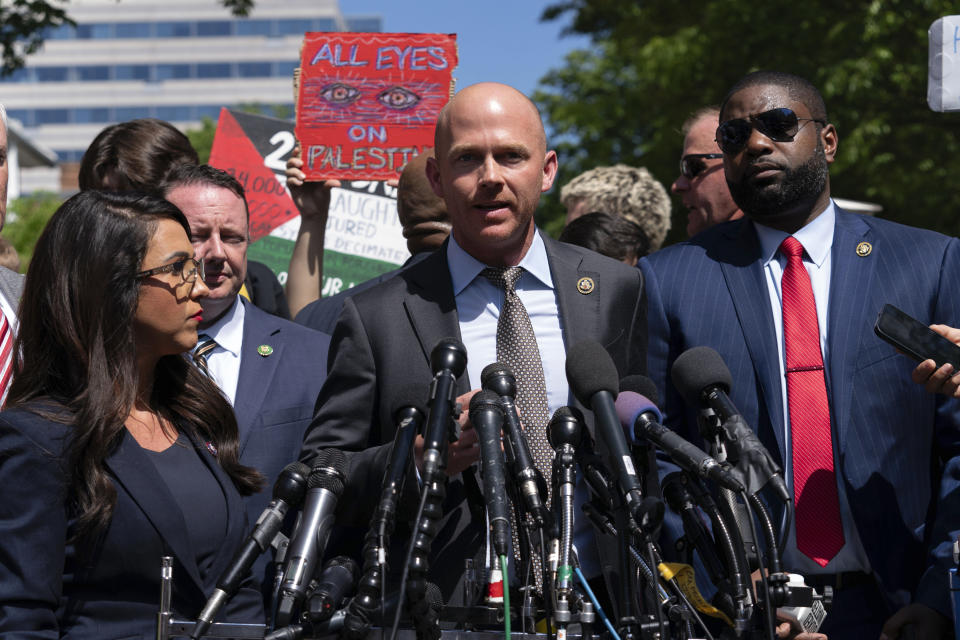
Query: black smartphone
x=914, y=338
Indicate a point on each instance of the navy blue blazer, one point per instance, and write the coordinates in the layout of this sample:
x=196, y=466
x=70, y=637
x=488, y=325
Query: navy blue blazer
x=898, y=445
x=47, y=591
x=282, y=367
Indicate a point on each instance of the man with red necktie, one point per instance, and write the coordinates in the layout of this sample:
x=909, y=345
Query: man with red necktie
x=11, y=283
x=788, y=296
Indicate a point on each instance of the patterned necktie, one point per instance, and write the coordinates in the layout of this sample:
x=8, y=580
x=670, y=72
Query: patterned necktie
x=6, y=358
x=205, y=345
x=517, y=348
x=817, y=504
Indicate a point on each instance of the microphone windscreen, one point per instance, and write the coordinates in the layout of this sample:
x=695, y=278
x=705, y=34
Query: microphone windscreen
x=642, y=385
x=410, y=395
x=629, y=406
x=292, y=483
x=329, y=470
x=484, y=399
x=448, y=354
x=590, y=369
x=696, y=369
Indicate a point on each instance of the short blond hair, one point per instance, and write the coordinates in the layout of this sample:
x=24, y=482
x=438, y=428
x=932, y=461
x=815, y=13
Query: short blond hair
x=626, y=191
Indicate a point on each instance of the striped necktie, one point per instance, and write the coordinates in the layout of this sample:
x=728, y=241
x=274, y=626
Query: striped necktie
x=205, y=345
x=6, y=357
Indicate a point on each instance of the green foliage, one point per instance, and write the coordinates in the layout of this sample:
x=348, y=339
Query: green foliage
x=23, y=26
x=202, y=139
x=654, y=62
x=26, y=218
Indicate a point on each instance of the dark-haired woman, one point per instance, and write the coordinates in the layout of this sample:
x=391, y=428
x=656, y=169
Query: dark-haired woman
x=114, y=451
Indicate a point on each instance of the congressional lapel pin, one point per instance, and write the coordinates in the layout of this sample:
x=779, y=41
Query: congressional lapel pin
x=586, y=285
x=264, y=350
x=211, y=448
x=864, y=249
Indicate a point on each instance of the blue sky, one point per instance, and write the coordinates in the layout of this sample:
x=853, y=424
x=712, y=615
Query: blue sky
x=500, y=40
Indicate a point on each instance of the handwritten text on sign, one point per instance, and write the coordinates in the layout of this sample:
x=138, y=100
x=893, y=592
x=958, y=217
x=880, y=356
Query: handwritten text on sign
x=368, y=102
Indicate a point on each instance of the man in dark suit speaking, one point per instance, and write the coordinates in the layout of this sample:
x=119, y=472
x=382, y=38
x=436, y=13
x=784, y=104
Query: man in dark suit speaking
x=789, y=296
x=491, y=166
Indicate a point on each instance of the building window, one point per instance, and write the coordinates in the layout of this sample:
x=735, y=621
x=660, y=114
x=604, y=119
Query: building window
x=52, y=116
x=92, y=115
x=213, y=28
x=253, y=27
x=171, y=72
x=253, y=69
x=51, y=74
x=173, y=29
x=93, y=73
x=213, y=70
x=131, y=72
x=134, y=30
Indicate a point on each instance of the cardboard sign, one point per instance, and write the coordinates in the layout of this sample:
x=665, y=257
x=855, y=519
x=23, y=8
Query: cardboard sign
x=367, y=102
x=363, y=237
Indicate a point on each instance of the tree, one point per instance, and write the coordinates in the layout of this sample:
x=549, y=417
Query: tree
x=26, y=220
x=24, y=25
x=655, y=61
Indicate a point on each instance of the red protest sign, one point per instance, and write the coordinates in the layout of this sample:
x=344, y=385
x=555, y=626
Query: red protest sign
x=368, y=102
x=254, y=149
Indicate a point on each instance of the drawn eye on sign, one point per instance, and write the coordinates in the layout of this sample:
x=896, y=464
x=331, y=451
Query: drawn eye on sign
x=367, y=103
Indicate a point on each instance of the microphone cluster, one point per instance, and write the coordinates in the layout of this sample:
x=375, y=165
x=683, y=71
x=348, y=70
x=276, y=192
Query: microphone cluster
x=605, y=458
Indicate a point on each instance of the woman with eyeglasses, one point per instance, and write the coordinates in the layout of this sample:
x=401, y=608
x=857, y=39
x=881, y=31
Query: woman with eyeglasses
x=114, y=451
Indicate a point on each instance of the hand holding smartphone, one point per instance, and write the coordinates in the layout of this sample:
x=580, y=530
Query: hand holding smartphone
x=915, y=339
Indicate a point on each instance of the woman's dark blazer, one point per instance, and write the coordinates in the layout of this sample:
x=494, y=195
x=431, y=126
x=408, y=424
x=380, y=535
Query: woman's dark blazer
x=48, y=590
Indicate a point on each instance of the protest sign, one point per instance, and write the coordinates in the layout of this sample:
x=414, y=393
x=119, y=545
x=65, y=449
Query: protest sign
x=368, y=102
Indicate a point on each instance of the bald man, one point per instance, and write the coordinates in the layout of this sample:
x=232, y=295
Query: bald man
x=490, y=168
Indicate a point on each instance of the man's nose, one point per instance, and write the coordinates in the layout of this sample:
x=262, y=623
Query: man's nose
x=490, y=172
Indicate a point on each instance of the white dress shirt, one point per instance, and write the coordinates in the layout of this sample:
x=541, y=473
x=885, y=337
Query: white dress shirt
x=223, y=361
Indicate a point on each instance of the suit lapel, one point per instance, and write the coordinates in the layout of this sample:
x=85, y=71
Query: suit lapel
x=256, y=371
x=579, y=313
x=429, y=291
x=850, y=291
x=136, y=473
x=739, y=259
x=236, y=512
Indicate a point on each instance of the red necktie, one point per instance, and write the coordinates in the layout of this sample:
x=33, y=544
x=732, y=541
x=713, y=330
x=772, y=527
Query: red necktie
x=819, y=530
x=6, y=359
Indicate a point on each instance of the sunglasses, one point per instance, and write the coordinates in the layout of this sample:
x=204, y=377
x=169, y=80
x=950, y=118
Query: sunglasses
x=780, y=125
x=692, y=164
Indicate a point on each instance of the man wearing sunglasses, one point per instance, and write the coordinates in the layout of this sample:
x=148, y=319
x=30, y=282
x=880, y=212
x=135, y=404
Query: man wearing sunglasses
x=788, y=296
x=701, y=185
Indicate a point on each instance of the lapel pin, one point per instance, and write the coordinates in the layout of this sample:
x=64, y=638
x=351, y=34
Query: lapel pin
x=211, y=448
x=864, y=249
x=264, y=350
x=586, y=285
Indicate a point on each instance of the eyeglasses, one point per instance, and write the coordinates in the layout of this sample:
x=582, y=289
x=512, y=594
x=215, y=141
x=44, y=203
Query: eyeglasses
x=692, y=164
x=188, y=269
x=780, y=125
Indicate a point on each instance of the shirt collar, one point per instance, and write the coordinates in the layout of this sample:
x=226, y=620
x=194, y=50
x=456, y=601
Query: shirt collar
x=228, y=329
x=464, y=268
x=816, y=237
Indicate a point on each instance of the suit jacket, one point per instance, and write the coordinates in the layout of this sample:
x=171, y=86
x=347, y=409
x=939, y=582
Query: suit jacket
x=11, y=286
x=897, y=444
x=383, y=341
x=49, y=590
x=322, y=314
x=282, y=366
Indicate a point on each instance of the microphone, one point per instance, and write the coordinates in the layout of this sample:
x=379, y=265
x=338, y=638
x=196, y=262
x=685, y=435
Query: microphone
x=486, y=415
x=408, y=415
x=641, y=417
x=288, y=492
x=447, y=361
x=564, y=433
x=310, y=538
x=499, y=379
x=594, y=381
x=337, y=580
x=702, y=377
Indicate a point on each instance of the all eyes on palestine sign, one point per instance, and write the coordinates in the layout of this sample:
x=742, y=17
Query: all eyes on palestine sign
x=367, y=102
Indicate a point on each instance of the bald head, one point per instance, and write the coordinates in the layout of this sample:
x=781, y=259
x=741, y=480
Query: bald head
x=490, y=168
x=491, y=98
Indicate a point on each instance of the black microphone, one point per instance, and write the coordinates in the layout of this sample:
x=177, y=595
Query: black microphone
x=447, y=361
x=594, y=471
x=408, y=415
x=310, y=538
x=499, y=379
x=288, y=492
x=702, y=377
x=640, y=416
x=337, y=581
x=486, y=415
x=594, y=381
